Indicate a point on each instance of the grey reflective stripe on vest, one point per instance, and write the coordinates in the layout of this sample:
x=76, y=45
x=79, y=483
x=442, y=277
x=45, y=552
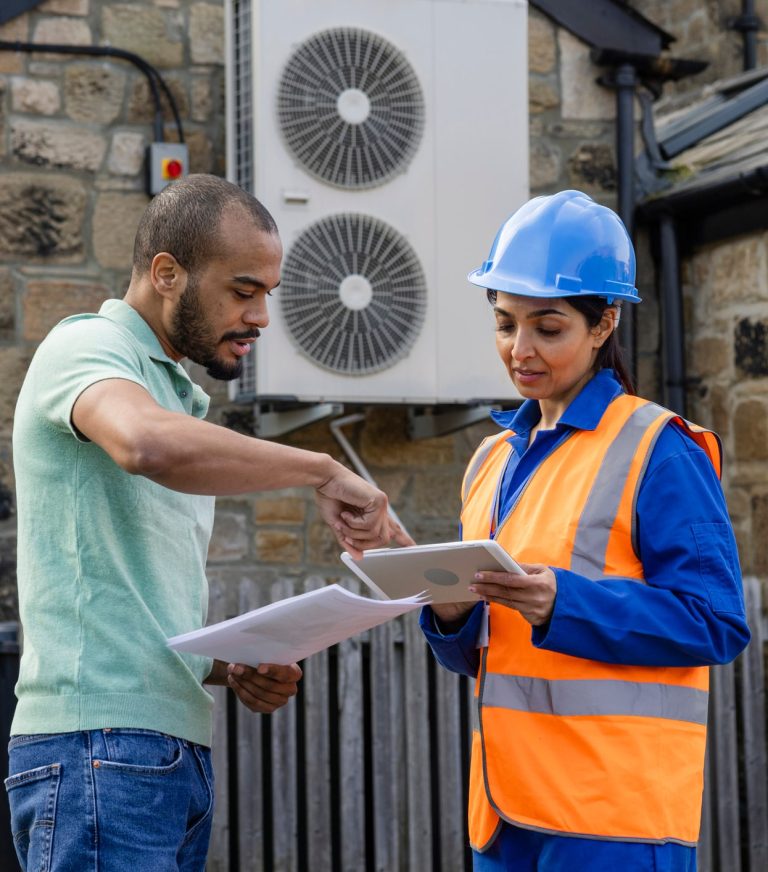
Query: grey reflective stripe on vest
x=602, y=505
x=481, y=455
x=574, y=697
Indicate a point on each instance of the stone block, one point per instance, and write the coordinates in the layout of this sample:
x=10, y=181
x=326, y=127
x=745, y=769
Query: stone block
x=147, y=31
x=32, y=95
x=41, y=216
x=115, y=219
x=63, y=31
x=733, y=272
x=592, y=167
x=64, y=7
x=201, y=156
x=7, y=304
x=383, y=442
x=720, y=411
x=750, y=427
x=435, y=495
x=93, y=93
x=202, y=97
x=60, y=146
x=126, y=154
x=542, y=94
x=45, y=302
x=17, y=29
x=582, y=97
x=206, y=33
x=711, y=356
x=322, y=547
x=750, y=344
x=280, y=509
x=759, y=534
x=279, y=546
x=545, y=164
x=141, y=104
x=542, y=44
x=13, y=367
x=229, y=539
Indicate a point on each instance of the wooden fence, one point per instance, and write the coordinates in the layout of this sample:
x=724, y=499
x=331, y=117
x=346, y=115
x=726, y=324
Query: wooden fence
x=366, y=770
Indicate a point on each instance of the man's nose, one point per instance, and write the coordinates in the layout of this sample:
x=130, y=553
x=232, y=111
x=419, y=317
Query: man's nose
x=257, y=313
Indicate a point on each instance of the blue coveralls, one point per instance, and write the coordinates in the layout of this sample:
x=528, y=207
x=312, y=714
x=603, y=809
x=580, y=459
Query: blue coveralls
x=689, y=613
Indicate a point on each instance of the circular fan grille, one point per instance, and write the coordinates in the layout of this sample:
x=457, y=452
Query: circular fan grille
x=353, y=294
x=350, y=107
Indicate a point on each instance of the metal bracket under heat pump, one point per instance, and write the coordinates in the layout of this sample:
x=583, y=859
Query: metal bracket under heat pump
x=428, y=422
x=277, y=419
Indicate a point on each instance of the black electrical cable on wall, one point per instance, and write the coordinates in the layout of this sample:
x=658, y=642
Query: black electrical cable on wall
x=153, y=76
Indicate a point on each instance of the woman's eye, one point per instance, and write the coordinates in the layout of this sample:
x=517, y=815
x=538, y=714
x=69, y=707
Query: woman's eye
x=505, y=328
x=549, y=332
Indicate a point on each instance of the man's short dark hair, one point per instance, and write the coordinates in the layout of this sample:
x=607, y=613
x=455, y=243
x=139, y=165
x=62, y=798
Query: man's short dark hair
x=184, y=220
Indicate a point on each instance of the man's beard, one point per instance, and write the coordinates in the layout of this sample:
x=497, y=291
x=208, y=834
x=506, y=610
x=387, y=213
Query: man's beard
x=192, y=336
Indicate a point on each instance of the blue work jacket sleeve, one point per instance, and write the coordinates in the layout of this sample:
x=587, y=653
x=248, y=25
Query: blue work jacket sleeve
x=690, y=610
x=457, y=652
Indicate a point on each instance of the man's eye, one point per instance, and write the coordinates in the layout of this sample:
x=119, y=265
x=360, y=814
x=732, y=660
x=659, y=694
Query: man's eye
x=243, y=296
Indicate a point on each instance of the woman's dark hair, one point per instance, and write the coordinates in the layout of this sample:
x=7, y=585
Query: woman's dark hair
x=610, y=353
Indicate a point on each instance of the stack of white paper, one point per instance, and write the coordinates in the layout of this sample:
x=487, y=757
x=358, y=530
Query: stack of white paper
x=291, y=629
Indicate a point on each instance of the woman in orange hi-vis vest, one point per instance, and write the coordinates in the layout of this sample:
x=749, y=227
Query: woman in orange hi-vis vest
x=592, y=665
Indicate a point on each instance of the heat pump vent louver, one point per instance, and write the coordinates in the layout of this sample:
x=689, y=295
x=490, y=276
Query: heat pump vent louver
x=353, y=294
x=350, y=108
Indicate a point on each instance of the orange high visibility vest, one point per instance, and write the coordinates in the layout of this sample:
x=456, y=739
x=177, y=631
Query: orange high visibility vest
x=563, y=744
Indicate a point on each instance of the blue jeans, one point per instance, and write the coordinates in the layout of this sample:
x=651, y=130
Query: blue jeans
x=518, y=850
x=112, y=800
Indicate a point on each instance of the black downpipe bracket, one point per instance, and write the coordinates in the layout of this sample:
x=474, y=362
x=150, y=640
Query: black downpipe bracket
x=748, y=24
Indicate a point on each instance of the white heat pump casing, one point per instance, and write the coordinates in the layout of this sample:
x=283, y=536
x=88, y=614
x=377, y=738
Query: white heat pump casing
x=469, y=172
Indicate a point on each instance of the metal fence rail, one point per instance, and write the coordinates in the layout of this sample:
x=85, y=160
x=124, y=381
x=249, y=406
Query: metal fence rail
x=366, y=771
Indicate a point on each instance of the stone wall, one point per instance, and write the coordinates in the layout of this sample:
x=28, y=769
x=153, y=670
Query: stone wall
x=726, y=297
x=72, y=136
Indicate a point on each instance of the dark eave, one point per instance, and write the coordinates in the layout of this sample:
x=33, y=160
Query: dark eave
x=607, y=24
x=11, y=8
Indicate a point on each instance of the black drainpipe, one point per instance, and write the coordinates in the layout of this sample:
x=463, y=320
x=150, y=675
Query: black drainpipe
x=673, y=335
x=625, y=82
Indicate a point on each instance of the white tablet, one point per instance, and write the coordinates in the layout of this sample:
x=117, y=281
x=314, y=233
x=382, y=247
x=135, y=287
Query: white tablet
x=445, y=571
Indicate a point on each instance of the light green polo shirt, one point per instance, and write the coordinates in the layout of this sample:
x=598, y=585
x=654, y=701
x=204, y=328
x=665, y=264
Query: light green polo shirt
x=109, y=564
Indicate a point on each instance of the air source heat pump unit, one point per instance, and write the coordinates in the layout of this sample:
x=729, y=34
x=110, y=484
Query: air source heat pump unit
x=389, y=138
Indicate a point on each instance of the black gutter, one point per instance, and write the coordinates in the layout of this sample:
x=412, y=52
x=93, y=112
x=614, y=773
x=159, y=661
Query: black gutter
x=734, y=190
x=153, y=76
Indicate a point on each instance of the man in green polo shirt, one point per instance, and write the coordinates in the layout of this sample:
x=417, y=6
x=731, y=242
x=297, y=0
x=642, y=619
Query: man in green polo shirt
x=116, y=474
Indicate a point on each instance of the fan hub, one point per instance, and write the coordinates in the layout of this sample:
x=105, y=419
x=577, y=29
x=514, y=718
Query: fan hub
x=354, y=106
x=355, y=292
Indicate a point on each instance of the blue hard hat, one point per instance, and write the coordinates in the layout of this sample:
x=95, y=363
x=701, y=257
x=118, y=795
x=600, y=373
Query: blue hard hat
x=561, y=245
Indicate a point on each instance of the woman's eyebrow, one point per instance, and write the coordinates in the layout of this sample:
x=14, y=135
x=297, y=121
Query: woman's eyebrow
x=538, y=313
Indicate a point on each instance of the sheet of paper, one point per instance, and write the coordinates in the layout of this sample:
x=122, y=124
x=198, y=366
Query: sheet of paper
x=291, y=629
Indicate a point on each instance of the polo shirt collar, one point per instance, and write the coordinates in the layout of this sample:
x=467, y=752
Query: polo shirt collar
x=584, y=412
x=121, y=313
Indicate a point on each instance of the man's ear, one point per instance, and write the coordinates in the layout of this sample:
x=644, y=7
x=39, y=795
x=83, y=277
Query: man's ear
x=168, y=276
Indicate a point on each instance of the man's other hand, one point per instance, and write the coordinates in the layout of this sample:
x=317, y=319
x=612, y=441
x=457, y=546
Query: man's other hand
x=263, y=688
